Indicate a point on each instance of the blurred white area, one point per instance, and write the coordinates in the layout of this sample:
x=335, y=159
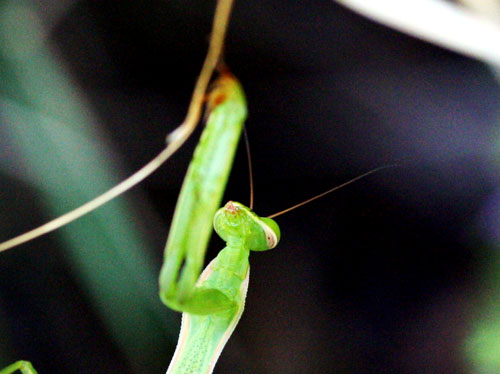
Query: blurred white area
x=442, y=23
x=488, y=8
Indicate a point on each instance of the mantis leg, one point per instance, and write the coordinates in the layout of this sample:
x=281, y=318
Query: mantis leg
x=200, y=196
x=203, y=301
x=24, y=367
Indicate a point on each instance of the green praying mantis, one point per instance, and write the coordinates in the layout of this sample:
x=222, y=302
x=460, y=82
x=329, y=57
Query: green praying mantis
x=200, y=198
x=212, y=301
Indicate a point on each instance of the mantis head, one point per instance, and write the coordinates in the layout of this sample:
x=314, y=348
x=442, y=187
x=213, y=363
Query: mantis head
x=235, y=223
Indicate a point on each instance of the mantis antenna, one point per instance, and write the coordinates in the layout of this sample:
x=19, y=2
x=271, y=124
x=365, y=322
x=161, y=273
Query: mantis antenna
x=174, y=140
x=333, y=189
x=250, y=169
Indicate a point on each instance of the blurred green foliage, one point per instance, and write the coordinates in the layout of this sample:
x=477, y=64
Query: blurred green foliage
x=67, y=162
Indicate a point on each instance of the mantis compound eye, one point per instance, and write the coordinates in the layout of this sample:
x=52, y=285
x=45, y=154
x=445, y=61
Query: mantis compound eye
x=272, y=232
x=266, y=234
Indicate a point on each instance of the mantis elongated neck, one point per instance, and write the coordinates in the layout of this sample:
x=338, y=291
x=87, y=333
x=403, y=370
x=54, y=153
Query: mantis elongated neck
x=237, y=243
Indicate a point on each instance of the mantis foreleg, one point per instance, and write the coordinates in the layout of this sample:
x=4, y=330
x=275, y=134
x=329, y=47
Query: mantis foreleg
x=200, y=197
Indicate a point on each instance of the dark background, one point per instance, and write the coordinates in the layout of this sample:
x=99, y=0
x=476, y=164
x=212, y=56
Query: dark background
x=383, y=276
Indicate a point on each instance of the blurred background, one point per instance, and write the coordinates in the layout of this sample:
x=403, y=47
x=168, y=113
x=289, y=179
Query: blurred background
x=398, y=273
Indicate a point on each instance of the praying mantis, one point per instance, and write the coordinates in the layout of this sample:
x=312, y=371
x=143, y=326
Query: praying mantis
x=214, y=306
x=222, y=107
x=226, y=103
x=213, y=302
x=263, y=258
